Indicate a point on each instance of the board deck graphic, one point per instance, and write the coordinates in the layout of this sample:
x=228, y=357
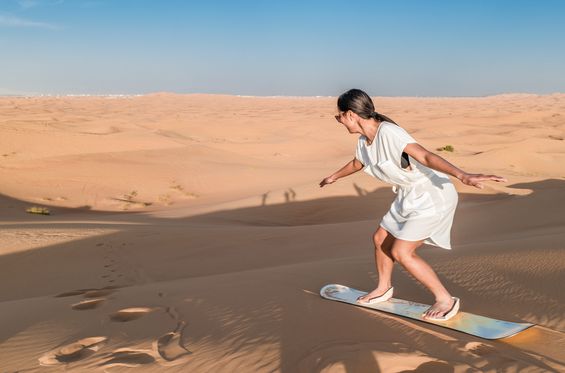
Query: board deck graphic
x=480, y=326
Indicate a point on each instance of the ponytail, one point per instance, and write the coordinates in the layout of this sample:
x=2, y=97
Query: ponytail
x=381, y=117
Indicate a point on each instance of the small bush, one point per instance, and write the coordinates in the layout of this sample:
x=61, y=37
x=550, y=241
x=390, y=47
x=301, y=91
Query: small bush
x=447, y=148
x=38, y=210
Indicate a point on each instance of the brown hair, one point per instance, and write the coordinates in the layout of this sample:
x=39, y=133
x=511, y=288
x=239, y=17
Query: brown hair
x=361, y=104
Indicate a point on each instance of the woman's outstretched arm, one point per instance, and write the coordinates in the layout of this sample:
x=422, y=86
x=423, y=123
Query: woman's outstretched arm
x=351, y=167
x=436, y=162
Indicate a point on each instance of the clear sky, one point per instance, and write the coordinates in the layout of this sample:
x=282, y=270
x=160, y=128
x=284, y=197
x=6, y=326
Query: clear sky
x=282, y=47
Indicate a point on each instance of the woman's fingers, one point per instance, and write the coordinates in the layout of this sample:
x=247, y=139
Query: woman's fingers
x=474, y=180
x=327, y=180
x=493, y=177
x=498, y=178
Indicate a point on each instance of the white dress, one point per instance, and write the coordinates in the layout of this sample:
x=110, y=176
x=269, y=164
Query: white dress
x=425, y=198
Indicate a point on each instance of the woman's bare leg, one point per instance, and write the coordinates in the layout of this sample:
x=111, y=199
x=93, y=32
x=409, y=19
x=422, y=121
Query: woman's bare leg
x=383, y=261
x=405, y=253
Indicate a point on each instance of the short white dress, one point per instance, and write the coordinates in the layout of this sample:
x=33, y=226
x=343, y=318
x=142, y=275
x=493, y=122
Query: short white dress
x=426, y=199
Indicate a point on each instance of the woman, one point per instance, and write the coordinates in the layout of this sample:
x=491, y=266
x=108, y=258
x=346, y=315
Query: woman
x=425, y=202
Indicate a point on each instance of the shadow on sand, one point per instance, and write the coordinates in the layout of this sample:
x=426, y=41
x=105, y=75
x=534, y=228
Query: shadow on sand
x=273, y=240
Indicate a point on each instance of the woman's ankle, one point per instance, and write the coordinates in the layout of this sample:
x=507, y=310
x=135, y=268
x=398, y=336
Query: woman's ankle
x=445, y=297
x=384, y=285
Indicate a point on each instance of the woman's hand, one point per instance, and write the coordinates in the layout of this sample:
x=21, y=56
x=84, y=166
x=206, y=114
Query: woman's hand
x=475, y=179
x=327, y=180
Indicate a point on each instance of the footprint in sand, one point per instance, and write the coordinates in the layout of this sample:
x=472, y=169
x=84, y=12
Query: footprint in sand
x=95, y=297
x=88, y=304
x=129, y=200
x=73, y=351
x=180, y=189
x=166, y=350
x=129, y=314
x=129, y=357
x=170, y=346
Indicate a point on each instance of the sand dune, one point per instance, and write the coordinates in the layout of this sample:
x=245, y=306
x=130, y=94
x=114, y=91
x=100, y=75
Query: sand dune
x=189, y=233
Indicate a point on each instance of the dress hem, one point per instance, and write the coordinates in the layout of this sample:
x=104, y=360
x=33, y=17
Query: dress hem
x=427, y=240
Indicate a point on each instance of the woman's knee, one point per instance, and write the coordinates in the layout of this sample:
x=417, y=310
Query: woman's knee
x=402, y=251
x=379, y=238
x=398, y=254
x=382, y=240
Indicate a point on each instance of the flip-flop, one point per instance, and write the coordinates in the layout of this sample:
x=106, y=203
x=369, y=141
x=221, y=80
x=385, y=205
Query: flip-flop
x=447, y=315
x=381, y=298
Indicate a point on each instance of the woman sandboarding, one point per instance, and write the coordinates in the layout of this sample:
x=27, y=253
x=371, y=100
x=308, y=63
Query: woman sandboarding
x=425, y=202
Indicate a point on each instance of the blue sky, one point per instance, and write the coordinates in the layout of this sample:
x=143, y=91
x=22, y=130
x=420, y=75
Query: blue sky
x=275, y=47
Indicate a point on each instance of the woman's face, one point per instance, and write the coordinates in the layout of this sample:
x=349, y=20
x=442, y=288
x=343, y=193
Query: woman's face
x=346, y=118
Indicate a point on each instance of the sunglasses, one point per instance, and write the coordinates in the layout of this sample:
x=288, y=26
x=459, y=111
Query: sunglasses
x=338, y=116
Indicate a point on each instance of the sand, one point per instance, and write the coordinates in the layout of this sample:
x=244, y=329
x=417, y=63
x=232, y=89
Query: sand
x=188, y=233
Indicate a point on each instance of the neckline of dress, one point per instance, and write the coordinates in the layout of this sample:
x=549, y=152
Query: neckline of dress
x=376, y=134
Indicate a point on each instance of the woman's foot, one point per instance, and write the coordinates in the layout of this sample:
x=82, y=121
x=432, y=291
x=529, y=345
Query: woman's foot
x=382, y=292
x=440, y=308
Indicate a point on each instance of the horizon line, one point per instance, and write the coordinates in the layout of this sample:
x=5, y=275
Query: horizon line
x=127, y=95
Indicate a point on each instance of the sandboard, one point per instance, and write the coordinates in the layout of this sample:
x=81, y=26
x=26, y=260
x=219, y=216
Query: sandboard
x=480, y=326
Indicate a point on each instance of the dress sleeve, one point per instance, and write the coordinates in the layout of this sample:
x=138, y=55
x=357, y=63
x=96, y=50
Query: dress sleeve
x=395, y=139
x=359, y=153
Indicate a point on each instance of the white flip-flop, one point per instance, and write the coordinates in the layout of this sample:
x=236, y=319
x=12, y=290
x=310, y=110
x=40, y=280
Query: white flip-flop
x=449, y=314
x=381, y=298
